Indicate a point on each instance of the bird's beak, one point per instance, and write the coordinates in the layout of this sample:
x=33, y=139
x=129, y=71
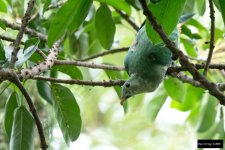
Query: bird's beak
x=123, y=99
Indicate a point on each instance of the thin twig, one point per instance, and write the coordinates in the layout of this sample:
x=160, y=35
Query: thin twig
x=19, y=37
x=178, y=69
x=213, y=90
x=128, y=19
x=118, y=50
x=109, y=83
x=42, y=54
x=9, y=39
x=89, y=65
x=212, y=37
x=28, y=31
x=16, y=81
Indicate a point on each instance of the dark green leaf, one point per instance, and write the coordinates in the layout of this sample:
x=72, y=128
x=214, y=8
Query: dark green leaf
x=30, y=47
x=80, y=13
x=22, y=137
x=167, y=13
x=156, y=103
x=47, y=3
x=44, y=90
x=175, y=89
x=36, y=58
x=186, y=31
x=70, y=16
x=220, y=4
x=3, y=6
x=119, y=4
x=72, y=71
x=2, y=25
x=31, y=43
x=105, y=26
x=2, y=51
x=11, y=105
x=67, y=112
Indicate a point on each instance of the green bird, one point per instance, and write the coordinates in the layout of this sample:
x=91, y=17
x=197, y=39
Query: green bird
x=146, y=64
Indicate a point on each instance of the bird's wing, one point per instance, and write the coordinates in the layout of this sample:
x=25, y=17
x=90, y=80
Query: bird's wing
x=126, y=62
x=160, y=53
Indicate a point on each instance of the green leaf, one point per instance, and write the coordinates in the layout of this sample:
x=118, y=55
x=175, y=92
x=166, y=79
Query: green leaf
x=2, y=52
x=119, y=4
x=189, y=47
x=186, y=31
x=156, y=103
x=44, y=90
x=3, y=6
x=105, y=26
x=22, y=137
x=201, y=6
x=11, y=105
x=31, y=43
x=191, y=99
x=47, y=3
x=70, y=16
x=80, y=13
x=197, y=25
x=67, y=112
x=175, y=89
x=30, y=47
x=208, y=113
x=216, y=131
x=2, y=25
x=72, y=71
x=167, y=13
x=222, y=8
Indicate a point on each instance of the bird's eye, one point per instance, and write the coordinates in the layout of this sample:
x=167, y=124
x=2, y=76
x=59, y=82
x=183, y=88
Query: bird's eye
x=127, y=85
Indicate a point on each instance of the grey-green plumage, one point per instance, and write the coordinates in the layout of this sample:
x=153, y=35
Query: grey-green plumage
x=146, y=64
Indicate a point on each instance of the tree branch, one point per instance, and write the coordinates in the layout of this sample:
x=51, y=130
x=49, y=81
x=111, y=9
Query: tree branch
x=28, y=31
x=212, y=37
x=20, y=34
x=123, y=49
x=44, y=66
x=16, y=81
x=213, y=90
x=89, y=65
x=128, y=19
x=109, y=83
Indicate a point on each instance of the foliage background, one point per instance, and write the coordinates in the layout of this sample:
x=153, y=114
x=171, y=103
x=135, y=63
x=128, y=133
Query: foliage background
x=183, y=118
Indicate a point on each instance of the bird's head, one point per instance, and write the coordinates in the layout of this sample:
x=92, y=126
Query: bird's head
x=134, y=85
